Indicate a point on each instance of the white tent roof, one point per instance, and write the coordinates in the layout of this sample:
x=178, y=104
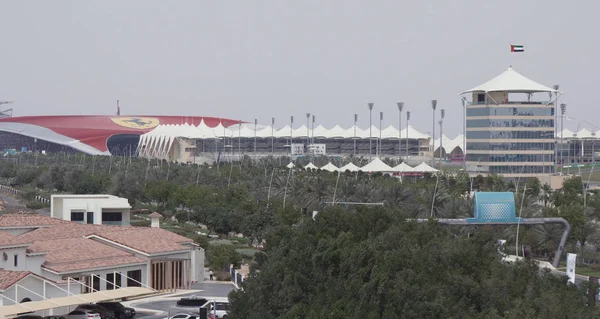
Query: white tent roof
x=290, y=165
x=376, y=165
x=424, y=168
x=310, y=166
x=329, y=167
x=403, y=167
x=349, y=167
x=510, y=81
x=320, y=132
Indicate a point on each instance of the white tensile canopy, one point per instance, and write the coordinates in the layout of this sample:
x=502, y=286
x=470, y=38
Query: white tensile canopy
x=330, y=167
x=349, y=167
x=424, y=168
x=510, y=81
x=290, y=165
x=403, y=168
x=376, y=165
x=310, y=166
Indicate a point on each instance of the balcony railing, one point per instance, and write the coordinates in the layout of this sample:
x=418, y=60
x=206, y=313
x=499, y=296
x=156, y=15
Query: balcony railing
x=510, y=102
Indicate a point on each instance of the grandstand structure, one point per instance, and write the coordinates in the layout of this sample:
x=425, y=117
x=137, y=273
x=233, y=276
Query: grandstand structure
x=184, y=143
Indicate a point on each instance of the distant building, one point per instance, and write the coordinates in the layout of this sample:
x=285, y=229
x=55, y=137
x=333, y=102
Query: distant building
x=91, y=209
x=510, y=127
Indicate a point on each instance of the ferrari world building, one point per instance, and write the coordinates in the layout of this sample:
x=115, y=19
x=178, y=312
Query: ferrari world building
x=91, y=134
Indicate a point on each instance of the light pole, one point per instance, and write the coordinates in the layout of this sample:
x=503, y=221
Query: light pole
x=380, y=119
x=307, y=129
x=433, y=106
x=407, y=119
x=370, y=105
x=272, y=135
x=563, y=110
x=443, y=114
x=464, y=146
x=400, y=107
x=291, y=133
x=355, y=120
x=313, y=130
x=555, y=87
x=255, y=123
x=240, y=140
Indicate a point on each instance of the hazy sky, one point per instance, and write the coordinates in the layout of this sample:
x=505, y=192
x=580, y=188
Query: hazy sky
x=263, y=59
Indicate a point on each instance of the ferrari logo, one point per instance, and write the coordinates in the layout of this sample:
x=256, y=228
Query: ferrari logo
x=136, y=122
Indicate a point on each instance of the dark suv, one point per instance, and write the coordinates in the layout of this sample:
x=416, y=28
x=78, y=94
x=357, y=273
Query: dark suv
x=104, y=313
x=120, y=311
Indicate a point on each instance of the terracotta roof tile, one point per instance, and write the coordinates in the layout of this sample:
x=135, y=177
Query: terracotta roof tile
x=148, y=240
x=9, y=278
x=28, y=219
x=71, y=230
x=7, y=239
x=81, y=253
x=93, y=264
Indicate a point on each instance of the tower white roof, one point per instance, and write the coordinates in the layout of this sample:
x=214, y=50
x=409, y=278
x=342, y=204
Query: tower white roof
x=510, y=81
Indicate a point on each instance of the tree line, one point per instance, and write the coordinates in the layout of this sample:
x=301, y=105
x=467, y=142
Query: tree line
x=350, y=259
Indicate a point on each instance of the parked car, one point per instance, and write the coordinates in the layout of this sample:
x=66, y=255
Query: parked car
x=54, y=317
x=183, y=316
x=104, y=313
x=82, y=314
x=29, y=316
x=120, y=311
x=217, y=309
x=192, y=301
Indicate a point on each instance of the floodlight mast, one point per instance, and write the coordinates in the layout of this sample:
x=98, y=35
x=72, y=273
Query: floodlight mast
x=400, y=107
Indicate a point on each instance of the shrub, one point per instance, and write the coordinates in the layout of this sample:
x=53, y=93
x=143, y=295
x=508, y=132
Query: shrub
x=35, y=205
x=222, y=275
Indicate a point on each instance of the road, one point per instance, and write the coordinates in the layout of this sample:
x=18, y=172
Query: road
x=169, y=305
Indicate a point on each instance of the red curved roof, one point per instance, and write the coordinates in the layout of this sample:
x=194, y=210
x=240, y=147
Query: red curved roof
x=94, y=130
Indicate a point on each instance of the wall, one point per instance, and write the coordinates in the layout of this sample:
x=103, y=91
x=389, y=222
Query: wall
x=197, y=257
x=102, y=274
x=9, y=263
x=62, y=206
x=20, y=291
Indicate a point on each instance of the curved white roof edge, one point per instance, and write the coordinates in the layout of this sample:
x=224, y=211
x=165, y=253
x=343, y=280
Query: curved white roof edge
x=510, y=81
x=42, y=133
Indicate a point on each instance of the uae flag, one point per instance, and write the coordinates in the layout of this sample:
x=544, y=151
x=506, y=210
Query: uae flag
x=516, y=48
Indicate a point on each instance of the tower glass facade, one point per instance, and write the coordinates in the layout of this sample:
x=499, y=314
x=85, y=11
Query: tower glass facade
x=515, y=138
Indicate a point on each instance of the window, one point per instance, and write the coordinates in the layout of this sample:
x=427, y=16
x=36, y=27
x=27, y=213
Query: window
x=112, y=281
x=112, y=218
x=16, y=260
x=90, y=217
x=77, y=217
x=134, y=278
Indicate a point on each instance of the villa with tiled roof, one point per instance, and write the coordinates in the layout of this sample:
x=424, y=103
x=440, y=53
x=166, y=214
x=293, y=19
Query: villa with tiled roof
x=63, y=255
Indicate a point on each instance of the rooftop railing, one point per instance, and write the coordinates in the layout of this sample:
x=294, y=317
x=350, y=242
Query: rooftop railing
x=510, y=102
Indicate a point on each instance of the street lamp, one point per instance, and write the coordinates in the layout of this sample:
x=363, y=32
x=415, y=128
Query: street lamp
x=307, y=129
x=443, y=114
x=240, y=140
x=380, y=119
x=355, y=120
x=313, y=130
x=370, y=105
x=400, y=107
x=291, y=133
x=464, y=146
x=555, y=87
x=255, y=123
x=272, y=135
x=407, y=119
x=563, y=110
x=433, y=107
